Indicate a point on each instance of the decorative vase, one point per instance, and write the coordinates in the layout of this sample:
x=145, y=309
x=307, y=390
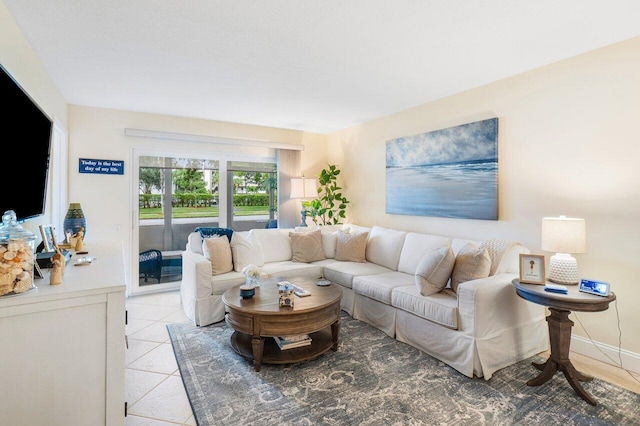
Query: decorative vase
x=74, y=220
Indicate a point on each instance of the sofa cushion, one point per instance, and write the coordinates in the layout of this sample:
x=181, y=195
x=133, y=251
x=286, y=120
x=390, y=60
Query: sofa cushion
x=433, y=272
x=415, y=247
x=222, y=283
x=218, y=251
x=380, y=286
x=343, y=272
x=288, y=269
x=471, y=263
x=275, y=243
x=351, y=247
x=441, y=308
x=306, y=246
x=246, y=250
x=384, y=246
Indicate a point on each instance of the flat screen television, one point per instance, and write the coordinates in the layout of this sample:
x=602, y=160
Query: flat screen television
x=25, y=130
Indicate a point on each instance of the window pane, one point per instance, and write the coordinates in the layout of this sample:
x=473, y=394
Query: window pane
x=253, y=194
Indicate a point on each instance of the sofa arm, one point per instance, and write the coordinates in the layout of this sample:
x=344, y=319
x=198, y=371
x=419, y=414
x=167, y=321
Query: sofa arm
x=196, y=274
x=196, y=282
x=489, y=306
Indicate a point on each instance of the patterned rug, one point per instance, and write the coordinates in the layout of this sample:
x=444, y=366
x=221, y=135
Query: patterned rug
x=375, y=380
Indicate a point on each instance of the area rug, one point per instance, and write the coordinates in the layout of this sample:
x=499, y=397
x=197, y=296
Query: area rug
x=375, y=380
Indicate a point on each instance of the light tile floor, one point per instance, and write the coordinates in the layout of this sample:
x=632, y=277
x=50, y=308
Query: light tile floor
x=154, y=388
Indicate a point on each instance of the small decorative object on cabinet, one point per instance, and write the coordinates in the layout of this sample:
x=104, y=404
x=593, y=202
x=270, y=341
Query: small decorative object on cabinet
x=79, y=237
x=16, y=256
x=55, y=277
x=74, y=220
x=48, y=238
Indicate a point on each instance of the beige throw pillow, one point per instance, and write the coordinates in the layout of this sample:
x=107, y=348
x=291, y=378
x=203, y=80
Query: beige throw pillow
x=434, y=270
x=472, y=263
x=218, y=251
x=351, y=247
x=306, y=246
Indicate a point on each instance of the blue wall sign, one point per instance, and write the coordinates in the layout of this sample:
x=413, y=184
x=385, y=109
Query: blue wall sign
x=105, y=167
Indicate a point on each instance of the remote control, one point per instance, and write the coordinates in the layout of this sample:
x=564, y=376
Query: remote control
x=555, y=288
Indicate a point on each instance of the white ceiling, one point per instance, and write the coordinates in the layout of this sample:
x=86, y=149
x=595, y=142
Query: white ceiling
x=318, y=66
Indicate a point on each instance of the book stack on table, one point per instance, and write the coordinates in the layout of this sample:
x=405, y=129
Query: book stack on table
x=289, y=342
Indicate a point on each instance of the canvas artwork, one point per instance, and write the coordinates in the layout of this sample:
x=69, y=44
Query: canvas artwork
x=451, y=172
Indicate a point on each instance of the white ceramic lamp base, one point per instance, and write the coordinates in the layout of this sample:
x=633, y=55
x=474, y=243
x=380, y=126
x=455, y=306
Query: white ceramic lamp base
x=563, y=269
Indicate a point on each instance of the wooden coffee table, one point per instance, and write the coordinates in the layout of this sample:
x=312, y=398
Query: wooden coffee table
x=255, y=321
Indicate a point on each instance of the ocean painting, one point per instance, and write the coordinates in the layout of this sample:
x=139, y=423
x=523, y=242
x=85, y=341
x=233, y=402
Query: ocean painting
x=450, y=172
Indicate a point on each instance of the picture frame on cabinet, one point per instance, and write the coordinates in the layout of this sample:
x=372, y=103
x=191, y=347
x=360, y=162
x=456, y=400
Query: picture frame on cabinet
x=37, y=272
x=48, y=238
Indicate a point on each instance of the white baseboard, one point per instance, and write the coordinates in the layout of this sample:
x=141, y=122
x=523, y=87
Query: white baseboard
x=584, y=346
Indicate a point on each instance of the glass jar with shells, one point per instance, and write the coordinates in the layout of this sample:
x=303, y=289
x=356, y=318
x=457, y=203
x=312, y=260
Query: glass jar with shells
x=17, y=250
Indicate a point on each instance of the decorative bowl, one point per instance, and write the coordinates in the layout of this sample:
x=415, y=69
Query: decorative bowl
x=247, y=291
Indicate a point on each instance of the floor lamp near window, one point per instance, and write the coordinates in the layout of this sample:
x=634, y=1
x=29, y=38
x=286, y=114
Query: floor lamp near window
x=303, y=189
x=563, y=235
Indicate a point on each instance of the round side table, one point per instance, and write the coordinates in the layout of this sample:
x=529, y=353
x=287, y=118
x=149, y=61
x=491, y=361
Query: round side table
x=561, y=305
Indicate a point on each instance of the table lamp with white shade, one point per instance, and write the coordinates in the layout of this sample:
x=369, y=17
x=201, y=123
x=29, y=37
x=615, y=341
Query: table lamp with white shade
x=304, y=188
x=563, y=235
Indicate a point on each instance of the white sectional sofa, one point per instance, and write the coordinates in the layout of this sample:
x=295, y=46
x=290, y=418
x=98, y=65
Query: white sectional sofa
x=477, y=329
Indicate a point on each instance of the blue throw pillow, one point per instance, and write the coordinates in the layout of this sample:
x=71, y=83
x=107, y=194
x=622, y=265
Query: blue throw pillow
x=207, y=232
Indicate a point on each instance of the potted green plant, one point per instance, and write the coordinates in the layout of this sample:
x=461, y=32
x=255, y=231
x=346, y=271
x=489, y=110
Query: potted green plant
x=330, y=206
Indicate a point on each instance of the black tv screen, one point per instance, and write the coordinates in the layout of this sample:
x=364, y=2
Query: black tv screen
x=25, y=130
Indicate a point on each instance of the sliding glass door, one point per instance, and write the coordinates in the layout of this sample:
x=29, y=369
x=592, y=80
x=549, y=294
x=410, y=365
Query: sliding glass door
x=179, y=191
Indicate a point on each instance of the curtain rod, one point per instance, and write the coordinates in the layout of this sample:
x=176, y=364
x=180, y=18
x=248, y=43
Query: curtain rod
x=155, y=134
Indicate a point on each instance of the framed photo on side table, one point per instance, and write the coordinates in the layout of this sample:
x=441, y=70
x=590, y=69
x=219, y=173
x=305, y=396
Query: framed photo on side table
x=48, y=239
x=532, y=269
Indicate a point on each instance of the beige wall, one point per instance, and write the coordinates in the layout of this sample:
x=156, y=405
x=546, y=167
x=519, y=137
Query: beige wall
x=17, y=57
x=568, y=144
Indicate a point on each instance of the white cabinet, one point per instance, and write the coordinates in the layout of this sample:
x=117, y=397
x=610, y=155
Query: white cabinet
x=62, y=347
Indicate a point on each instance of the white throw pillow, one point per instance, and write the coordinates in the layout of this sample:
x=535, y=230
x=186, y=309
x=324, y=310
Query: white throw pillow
x=472, y=263
x=329, y=242
x=194, y=242
x=306, y=246
x=246, y=251
x=217, y=250
x=434, y=270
